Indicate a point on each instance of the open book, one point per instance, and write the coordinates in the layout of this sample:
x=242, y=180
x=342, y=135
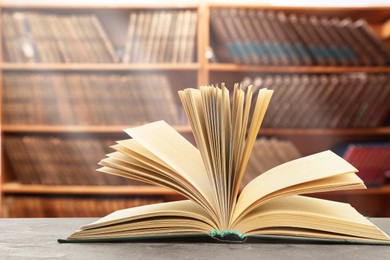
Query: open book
x=269, y=206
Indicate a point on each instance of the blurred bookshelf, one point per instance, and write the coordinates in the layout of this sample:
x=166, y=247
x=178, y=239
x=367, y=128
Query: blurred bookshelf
x=73, y=76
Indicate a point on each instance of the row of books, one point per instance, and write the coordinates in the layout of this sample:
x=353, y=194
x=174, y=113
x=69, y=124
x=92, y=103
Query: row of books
x=325, y=101
x=87, y=99
x=258, y=37
x=40, y=206
x=371, y=159
x=153, y=36
x=73, y=161
x=55, y=38
x=59, y=161
x=156, y=36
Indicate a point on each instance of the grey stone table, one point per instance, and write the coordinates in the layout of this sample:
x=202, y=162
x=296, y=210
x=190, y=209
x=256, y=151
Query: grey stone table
x=37, y=239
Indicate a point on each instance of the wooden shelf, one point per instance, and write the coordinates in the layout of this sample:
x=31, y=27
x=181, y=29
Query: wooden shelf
x=382, y=190
x=372, y=14
x=118, y=4
x=98, y=67
x=312, y=131
x=16, y=188
x=186, y=67
x=295, y=69
x=76, y=129
x=197, y=73
x=186, y=129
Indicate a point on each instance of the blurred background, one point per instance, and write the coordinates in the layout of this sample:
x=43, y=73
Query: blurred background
x=74, y=74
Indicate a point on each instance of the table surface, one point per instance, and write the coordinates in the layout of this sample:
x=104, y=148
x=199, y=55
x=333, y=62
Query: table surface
x=36, y=238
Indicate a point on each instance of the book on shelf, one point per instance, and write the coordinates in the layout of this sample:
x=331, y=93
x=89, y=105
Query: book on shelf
x=161, y=36
x=371, y=158
x=275, y=38
x=220, y=36
x=270, y=206
x=53, y=160
x=87, y=99
x=326, y=101
x=335, y=42
x=52, y=37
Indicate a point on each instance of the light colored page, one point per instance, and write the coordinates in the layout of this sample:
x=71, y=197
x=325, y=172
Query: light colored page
x=262, y=102
x=131, y=160
x=323, y=217
x=165, y=143
x=163, y=219
x=134, y=149
x=134, y=153
x=134, y=161
x=314, y=167
x=119, y=167
x=176, y=208
x=193, y=106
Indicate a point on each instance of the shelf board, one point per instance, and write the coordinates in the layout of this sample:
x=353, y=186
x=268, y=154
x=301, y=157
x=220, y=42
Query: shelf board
x=224, y=67
x=16, y=188
x=97, y=66
x=381, y=190
x=77, y=129
x=105, y=4
x=295, y=69
x=313, y=131
x=372, y=14
x=186, y=129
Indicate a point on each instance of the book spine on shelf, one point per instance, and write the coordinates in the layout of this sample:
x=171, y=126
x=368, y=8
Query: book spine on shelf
x=59, y=161
x=326, y=101
x=235, y=45
x=286, y=43
x=227, y=52
x=278, y=46
x=379, y=45
x=87, y=99
x=371, y=159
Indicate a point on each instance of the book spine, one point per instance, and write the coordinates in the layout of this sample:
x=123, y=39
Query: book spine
x=355, y=48
x=325, y=43
x=235, y=45
x=130, y=39
x=260, y=44
x=296, y=45
x=103, y=40
x=281, y=44
x=164, y=49
x=376, y=58
x=171, y=42
x=285, y=39
x=190, y=51
x=177, y=37
x=277, y=55
x=343, y=52
x=372, y=37
x=304, y=43
x=381, y=106
x=25, y=38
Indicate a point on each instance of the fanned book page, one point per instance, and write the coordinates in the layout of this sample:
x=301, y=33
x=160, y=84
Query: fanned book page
x=225, y=126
